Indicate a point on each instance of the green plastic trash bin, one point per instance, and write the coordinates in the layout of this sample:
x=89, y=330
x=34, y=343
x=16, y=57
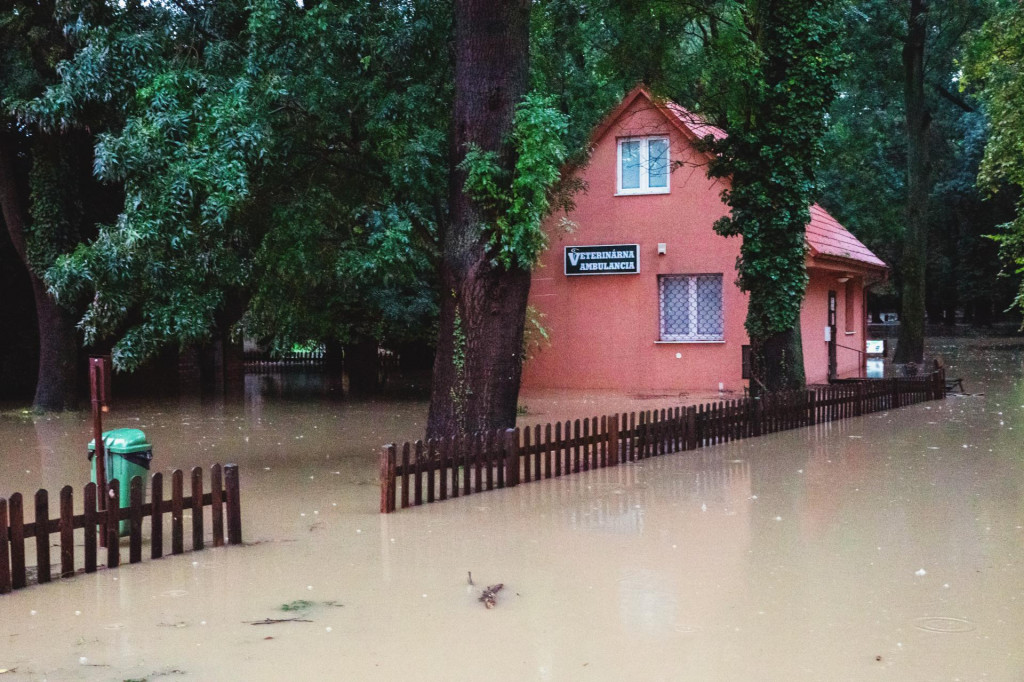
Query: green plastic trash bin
x=128, y=455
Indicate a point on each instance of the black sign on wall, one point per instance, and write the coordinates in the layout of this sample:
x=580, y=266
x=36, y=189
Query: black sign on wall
x=604, y=259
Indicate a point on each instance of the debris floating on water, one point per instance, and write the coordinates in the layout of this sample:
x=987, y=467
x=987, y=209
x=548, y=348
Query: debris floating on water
x=274, y=621
x=490, y=596
x=920, y=572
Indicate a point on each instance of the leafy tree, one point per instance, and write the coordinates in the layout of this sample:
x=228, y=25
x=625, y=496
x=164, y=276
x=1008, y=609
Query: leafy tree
x=280, y=164
x=506, y=149
x=996, y=68
x=864, y=176
x=48, y=198
x=785, y=77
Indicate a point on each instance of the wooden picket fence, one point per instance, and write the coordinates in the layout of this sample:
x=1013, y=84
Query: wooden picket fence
x=222, y=498
x=439, y=469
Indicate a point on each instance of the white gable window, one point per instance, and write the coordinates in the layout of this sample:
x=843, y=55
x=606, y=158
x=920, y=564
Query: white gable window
x=691, y=307
x=642, y=165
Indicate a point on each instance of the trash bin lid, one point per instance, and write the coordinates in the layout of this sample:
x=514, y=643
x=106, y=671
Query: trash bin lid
x=123, y=441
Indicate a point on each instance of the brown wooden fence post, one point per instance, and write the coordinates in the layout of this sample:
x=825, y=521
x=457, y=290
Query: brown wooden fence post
x=113, y=523
x=16, y=511
x=234, y=503
x=67, y=532
x=387, y=479
x=895, y=393
x=405, y=476
x=135, y=495
x=216, y=505
x=89, y=523
x=197, y=508
x=42, y=536
x=157, y=517
x=858, y=405
x=177, y=512
x=5, y=555
x=511, y=457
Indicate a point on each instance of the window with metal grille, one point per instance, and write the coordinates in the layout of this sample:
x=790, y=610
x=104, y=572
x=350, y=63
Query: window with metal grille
x=691, y=307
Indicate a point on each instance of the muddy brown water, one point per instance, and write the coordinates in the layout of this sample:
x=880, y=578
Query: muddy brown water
x=885, y=547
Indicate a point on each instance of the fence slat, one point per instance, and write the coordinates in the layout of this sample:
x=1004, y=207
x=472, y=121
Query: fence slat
x=511, y=458
x=233, y=495
x=405, y=475
x=17, y=539
x=613, y=440
x=89, y=525
x=387, y=477
x=217, y=504
x=157, y=519
x=454, y=448
x=5, y=554
x=479, y=446
x=113, y=523
x=489, y=456
x=42, y=536
x=177, y=512
x=197, y=508
x=557, y=449
x=537, y=453
x=417, y=483
x=135, y=495
x=441, y=454
x=67, y=532
x=527, y=449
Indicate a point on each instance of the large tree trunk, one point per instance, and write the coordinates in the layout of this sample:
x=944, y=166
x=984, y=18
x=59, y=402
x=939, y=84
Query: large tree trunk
x=56, y=384
x=483, y=305
x=910, y=344
x=777, y=363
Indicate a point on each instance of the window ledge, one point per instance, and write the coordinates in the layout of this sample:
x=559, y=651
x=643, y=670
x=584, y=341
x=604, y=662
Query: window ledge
x=641, y=193
x=850, y=333
x=690, y=341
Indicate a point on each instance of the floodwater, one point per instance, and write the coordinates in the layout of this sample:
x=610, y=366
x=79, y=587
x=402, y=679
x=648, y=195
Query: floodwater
x=888, y=547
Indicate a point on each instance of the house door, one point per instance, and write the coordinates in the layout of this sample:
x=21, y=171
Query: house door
x=831, y=336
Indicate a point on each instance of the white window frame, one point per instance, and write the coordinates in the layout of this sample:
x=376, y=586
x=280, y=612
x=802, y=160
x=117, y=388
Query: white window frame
x=645, y=175
x=693, y=336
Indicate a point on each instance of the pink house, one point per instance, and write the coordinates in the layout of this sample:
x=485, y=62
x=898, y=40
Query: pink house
x=640, y=294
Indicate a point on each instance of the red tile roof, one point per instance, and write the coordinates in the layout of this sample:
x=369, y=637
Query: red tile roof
x=826, y=237
x=829, y=239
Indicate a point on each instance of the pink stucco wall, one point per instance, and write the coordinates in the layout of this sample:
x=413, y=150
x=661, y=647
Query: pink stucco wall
x=604, y=330
x=814, y=318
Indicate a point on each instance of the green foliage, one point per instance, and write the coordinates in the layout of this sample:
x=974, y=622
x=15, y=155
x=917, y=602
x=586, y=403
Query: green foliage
x=284, y=169
x=535, y=334
x=524, y=200
x=995, y=66
x=297, y=605
x=788, y=78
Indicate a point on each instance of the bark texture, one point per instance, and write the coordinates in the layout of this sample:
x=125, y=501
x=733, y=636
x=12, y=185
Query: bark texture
x=910, y=343
x=483, y=305
x=777, y=362
x=56, y=383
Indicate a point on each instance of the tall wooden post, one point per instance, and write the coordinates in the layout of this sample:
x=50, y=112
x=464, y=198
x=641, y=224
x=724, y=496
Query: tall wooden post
x=99, y=392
